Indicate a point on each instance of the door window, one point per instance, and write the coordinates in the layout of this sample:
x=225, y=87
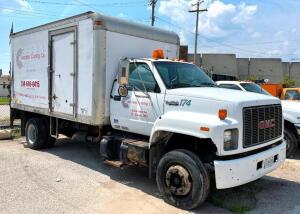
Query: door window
x=141, y=78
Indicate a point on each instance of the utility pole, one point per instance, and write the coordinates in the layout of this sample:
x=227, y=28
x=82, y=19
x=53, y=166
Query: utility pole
x=197, y=11
x=153, y=4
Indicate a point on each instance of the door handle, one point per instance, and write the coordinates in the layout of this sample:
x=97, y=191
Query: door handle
x=117, y=98
x=172, y=103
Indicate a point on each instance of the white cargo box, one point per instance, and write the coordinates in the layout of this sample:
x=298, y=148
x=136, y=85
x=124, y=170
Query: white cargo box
x=65, y=69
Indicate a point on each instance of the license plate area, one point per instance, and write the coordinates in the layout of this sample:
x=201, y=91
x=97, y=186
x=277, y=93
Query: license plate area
x=267, y=163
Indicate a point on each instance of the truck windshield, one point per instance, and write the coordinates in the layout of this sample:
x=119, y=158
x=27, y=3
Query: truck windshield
x=292, y=95
x=183, y=75
x=252, y=87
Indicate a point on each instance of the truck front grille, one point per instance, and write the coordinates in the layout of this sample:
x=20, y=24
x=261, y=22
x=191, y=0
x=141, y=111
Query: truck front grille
x=261, y=124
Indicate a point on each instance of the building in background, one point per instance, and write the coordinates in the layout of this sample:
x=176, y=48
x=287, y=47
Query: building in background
x=4, y=85
x=228, y=67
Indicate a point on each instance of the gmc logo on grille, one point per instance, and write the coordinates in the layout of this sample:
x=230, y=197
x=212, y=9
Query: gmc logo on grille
x=265, y=124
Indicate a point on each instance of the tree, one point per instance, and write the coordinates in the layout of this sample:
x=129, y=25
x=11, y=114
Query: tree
x=288, y=82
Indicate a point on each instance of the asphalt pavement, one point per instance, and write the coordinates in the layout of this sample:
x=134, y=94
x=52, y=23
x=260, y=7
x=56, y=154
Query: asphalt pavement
x=71, y=178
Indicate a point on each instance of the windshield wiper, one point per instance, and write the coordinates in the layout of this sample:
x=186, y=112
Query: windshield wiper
x=183, y=85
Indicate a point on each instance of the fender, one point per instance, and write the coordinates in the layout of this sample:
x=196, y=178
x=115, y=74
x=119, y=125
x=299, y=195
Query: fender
x=290, y=111
x=290, y=117
x=190, y=123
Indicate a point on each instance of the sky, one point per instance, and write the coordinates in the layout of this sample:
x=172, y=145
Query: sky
x=249, y=28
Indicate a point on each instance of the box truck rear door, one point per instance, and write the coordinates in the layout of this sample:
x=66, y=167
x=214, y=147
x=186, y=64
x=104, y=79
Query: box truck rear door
x=63, y=72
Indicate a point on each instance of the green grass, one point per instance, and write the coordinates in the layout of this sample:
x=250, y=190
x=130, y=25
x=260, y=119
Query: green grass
x=4, y=100
x=236, y=208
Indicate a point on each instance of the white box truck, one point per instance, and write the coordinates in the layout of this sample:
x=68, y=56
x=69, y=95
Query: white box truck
x=98, y=79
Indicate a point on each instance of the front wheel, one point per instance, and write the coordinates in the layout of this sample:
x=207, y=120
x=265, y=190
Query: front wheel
x=291, y=142
x=182, y=179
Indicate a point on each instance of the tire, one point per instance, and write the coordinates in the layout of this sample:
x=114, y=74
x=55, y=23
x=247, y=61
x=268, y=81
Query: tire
x=291, y=142
x=182, y=179
x=36, y=133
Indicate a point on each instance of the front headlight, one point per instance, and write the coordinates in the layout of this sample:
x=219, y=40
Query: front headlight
x=231, y=137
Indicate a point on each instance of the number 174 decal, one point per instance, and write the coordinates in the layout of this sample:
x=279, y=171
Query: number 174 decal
x=185, y=102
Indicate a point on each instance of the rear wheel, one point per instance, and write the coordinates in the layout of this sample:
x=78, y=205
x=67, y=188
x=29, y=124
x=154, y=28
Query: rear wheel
x=291, y=142
x=182, y=179
x=36, y=133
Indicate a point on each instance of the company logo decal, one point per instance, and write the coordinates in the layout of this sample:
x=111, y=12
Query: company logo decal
x=265, y=124
x=20, y=57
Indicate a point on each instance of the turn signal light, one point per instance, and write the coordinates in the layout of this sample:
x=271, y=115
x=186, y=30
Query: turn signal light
x=158, y=54
x=222, y=114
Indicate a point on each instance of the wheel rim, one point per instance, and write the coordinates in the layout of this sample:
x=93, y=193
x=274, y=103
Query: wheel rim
x=32, y=134
x=178, y=180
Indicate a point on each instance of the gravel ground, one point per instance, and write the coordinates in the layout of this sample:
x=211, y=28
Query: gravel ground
x=70, y=178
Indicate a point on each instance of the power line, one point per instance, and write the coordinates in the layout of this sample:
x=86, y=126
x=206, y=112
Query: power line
x=268, y=42
x=211, y=40
x=237, y=44
x=31, y=13
x=89, y=5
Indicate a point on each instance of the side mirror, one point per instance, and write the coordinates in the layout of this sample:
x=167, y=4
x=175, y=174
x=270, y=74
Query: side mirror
x=123, y=72
x=123, y=91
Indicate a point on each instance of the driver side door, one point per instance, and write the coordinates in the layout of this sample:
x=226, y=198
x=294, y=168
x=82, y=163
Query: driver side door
x=138, y=111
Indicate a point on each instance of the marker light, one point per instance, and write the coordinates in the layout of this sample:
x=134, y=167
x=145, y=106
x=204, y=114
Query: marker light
x=158, y=54
x=222, y=114
x=98, y=22
x=205, y=129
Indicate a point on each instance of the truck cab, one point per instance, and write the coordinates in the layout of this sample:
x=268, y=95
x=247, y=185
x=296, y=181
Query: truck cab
x=290, y=108
x=181, y=111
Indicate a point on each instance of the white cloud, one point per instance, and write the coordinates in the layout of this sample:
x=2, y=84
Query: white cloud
x=245, y=13
x=176, y=10
x=256, y=35
x=219, y=21
x=24, y=5
x=7, y=11
x=183, y=37
x=218, y=8
x=122, y=15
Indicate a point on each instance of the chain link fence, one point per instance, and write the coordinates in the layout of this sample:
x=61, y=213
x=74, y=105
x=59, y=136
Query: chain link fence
x=4, y=113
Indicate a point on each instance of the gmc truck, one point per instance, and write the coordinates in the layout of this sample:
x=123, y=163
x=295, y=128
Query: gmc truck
x=119, y=84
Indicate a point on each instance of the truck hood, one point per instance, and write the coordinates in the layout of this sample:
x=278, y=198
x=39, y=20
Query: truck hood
x=225, y=95
x=291, y=105
x=291, y=111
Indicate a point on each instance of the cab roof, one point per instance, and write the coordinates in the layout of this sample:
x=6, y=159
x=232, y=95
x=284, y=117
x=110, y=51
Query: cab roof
x=233, y=81
x=160, y=60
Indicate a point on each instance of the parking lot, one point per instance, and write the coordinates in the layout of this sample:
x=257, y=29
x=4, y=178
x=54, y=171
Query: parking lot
x=71, y=178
